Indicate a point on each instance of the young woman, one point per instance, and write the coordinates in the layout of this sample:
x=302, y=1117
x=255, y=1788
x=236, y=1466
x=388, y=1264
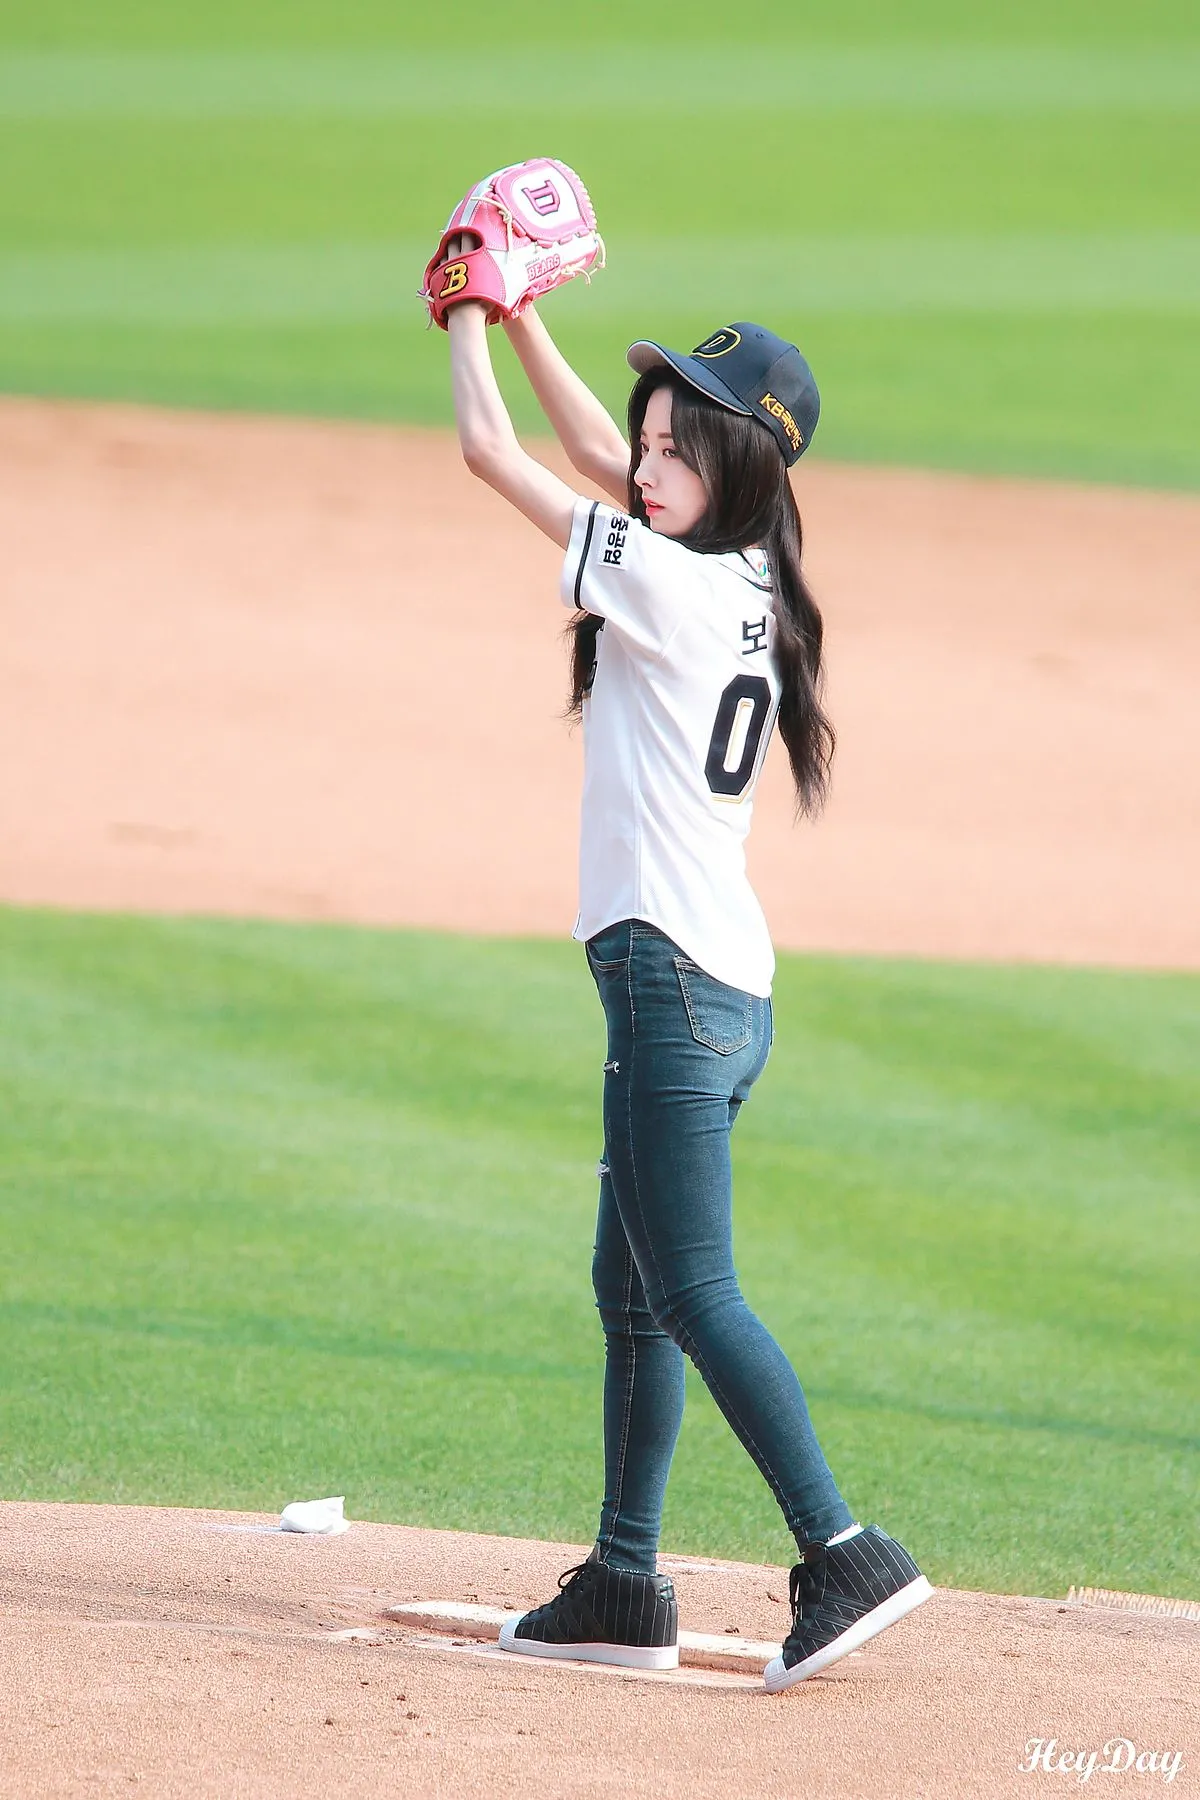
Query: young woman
x=693, y=634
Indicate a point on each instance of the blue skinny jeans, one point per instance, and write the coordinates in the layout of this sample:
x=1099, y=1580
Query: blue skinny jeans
x=684, y=1050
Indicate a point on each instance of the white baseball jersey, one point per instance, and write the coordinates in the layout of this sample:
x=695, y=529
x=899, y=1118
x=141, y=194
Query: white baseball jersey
x=676, y=727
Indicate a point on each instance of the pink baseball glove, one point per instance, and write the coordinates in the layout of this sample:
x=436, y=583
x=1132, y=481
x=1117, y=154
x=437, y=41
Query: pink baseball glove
x=534, y=229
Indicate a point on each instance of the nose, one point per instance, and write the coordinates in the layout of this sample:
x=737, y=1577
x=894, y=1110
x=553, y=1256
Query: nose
x=642, y=475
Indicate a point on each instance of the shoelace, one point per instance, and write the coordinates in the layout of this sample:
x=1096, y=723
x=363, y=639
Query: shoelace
x=806, y=1589
x=574, y=1613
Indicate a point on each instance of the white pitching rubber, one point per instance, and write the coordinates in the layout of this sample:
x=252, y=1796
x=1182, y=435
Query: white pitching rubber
x=700, y=1650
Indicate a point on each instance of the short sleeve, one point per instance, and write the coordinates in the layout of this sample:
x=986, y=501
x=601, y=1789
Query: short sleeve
x=619, y=569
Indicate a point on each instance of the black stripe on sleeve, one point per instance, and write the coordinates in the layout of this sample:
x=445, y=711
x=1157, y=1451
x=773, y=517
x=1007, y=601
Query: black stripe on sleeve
x=583, y=555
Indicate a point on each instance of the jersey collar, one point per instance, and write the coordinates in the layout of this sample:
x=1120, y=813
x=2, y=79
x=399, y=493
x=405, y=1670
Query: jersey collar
x=752, y=566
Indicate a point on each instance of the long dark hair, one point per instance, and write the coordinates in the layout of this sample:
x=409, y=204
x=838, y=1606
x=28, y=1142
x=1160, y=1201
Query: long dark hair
x=750, y=501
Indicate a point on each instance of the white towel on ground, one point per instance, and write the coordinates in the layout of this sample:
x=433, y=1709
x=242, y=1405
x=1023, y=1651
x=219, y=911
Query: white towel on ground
x=317, y=1518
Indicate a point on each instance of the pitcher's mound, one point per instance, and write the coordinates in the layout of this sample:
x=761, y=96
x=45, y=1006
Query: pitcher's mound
x=204, y=1653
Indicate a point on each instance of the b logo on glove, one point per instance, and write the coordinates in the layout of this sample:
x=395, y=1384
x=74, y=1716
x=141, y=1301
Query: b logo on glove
x=455, y=279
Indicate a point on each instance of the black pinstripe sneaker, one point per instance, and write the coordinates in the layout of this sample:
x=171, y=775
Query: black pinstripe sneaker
x=842, y=1594
x=602, y=1615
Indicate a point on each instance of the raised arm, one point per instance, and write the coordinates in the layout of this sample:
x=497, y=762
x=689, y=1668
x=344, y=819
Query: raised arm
x=587, y=433
x=489, y=443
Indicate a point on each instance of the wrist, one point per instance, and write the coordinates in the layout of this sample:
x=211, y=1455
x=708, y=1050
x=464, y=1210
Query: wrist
x=521, y=326
x=466, y=316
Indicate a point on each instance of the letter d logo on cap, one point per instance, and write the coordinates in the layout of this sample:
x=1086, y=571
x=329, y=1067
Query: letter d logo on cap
x=719, y=343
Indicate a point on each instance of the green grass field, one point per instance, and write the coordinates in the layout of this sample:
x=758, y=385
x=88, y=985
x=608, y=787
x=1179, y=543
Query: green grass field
x=984, y=228
x=294, y=1210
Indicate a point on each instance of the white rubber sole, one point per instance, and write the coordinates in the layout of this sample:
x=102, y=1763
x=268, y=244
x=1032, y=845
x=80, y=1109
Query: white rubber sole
x=625, y=1656
x=777, y=1676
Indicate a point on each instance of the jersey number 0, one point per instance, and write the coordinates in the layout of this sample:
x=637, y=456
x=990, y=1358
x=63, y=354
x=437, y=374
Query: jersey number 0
x=737, y=735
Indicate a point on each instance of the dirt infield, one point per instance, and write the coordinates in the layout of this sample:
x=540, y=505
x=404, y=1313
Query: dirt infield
x=251, y=666
x=189, y=1654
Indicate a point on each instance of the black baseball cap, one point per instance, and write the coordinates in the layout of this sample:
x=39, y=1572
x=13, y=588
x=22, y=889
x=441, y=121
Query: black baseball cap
x=749, y=370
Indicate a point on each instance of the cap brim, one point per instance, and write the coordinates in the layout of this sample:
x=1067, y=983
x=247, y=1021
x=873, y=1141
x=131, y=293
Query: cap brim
x=644, y=355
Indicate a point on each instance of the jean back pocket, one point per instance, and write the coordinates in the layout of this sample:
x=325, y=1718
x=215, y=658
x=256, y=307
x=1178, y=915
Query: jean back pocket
x=720, y=1016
